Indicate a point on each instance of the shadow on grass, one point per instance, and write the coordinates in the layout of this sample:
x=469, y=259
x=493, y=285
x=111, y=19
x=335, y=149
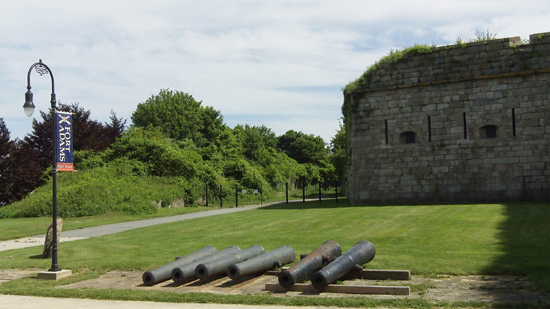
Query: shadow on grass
x=311, y=204
x=525, y=237
x=332, y=203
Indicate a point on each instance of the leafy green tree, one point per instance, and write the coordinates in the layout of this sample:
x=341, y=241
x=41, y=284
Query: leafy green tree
x=309, y=151
x=249, y=175
x=304, y=148
x=181, y=117
x=338, y=154
x=155, y=154
x=255, y=142
x=258, y=144
x=279, y=168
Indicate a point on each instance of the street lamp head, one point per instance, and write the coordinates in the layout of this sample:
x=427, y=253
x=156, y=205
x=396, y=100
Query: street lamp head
x=29, y=105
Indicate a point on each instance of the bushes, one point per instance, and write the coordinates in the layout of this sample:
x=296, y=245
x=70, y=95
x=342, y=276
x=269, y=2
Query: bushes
x=142, y=171
x=102, y=190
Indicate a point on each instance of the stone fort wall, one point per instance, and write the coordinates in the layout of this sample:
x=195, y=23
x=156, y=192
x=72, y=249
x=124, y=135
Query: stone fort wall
x=461, y=123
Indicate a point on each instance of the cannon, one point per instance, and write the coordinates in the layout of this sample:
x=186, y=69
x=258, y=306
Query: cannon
x=163, y=273
x=208, y=269
x=323, y=255
x=186, y=272
x=261, y=263
x=361, y=253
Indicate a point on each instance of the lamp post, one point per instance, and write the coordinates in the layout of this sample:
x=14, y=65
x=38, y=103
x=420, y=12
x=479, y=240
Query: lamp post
x=42, y=69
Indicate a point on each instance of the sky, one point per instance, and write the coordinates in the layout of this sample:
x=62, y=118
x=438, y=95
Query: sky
x=281, y=64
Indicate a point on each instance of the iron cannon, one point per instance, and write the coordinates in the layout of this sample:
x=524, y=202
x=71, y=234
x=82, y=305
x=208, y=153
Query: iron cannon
x=208, y=269
x=263, y=262
x=323, y=255
x=186, y=272
x=163, y=273
x=361, y=253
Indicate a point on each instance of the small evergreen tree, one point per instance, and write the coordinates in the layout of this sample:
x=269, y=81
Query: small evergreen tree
x=6, y=150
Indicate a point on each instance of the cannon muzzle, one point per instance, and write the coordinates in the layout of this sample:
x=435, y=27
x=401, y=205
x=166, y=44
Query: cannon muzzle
x=324, y=254
x=361, y=253
x=163, y=273
x=261, y=263
x=206, y=270
x=186, y=272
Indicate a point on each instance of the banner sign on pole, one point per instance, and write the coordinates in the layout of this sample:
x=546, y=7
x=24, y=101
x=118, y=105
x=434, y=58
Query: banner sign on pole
x=64, y=148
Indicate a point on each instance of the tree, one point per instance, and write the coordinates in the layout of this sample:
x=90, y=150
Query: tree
x=255, y=142
x=19, y=169
x=6, y=145
x=338, y=153
x=115, y=128
x=309, y=151
x=88, y=134
x=151, y=153
x=6, y=149
x=303, y=148
x=181, y=117
x=25, y=171
x=32, y=156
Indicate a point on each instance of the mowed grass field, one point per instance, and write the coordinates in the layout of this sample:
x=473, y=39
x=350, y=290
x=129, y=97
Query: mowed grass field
x=429, y=240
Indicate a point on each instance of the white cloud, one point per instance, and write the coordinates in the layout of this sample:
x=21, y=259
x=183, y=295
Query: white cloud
x=279, y=62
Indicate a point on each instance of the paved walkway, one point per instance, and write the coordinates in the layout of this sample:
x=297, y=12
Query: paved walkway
x=30, y=302
x=102, y=230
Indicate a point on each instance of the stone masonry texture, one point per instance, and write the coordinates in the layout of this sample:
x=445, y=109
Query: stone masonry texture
x=464, y=123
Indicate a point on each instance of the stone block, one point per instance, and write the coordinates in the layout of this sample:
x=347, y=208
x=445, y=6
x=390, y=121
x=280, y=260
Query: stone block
x=48, y=242
x=55, y=275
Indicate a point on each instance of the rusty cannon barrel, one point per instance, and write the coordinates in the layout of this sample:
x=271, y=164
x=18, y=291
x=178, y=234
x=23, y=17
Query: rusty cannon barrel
x=361, y=253
x=262, y=263
x=164, y=272
x=186, y=272
x=208, y=269
x=324, y=254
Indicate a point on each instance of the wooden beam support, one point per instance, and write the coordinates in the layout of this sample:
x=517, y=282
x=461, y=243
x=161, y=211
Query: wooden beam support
x=385, y=274
x=347, y=289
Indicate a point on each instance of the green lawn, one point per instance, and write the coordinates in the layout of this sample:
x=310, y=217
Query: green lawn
x=428, y=240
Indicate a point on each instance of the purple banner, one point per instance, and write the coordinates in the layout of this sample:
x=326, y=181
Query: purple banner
x=64, y=149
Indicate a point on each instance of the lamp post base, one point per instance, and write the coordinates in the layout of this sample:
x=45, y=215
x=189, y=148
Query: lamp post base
x=55, y=275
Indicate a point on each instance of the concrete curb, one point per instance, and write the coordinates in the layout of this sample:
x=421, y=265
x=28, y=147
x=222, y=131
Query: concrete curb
x=31, y=302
